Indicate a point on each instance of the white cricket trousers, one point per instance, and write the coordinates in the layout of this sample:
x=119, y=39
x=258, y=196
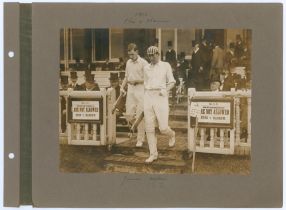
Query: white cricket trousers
x=134, y=107
x=156, y=107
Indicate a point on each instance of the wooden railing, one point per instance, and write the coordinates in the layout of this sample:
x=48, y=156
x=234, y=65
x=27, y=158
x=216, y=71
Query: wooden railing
x=90, y=133
x=223, y=140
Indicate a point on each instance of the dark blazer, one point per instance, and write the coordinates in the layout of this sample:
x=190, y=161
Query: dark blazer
x=197, y=62
x=96, y=87
x=228, y=83
x=182, y=69
x=206, y=52
x=77, y=87
x=171, y=57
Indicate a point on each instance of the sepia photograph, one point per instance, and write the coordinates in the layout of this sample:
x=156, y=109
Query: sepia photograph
x=155, y=101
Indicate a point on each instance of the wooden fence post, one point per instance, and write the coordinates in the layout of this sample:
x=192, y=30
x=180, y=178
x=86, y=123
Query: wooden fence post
x=103, y=126
x=111, y=118
x=249, y=121
x=191, y=140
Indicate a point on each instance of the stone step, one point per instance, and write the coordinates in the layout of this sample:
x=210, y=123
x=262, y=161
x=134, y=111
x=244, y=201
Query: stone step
x=178, y=116
x=180, y=106
x=183, y=112
x=136, y=164
x=175, y=124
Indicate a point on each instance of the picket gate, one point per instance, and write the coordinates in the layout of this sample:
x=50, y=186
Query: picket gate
x=91, y=133
x=222, y=140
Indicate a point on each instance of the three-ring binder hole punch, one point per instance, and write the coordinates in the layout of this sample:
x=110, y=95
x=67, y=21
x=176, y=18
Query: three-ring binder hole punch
x=11, y=156
x=11, y=54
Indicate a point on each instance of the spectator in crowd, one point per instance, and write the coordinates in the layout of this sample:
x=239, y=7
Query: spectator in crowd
x=90, y=84
x=206, y=51
x=240, y=81
x=217, y=64
x=230, y=59
x=215, y=85
x=239, y=48
x=183, y=66
x=243, y=83
x=227, y=81
x=73, y=78
x=197, y=74
x=171, y=54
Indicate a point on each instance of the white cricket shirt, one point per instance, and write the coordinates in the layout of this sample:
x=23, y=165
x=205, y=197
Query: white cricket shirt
x=158, y=76
x=135, y=69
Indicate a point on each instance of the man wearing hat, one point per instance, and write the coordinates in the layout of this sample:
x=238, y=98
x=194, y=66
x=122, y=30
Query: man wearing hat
x=90, y=84
x=73, y=79
x=87, y=72
x=158, y=81
x=217, y=64
x=206, y=52
x=197, y=73
x=239, y=48
x=230, y=59
x=134, y=77
x=227, y=81
x=114, y=83
x=171, y=55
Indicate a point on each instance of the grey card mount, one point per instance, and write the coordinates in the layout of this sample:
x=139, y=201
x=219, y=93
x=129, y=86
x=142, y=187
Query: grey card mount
x=55, y=51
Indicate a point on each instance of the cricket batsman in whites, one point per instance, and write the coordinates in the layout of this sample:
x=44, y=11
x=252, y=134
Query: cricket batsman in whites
x=134, y=77
x=158, y=81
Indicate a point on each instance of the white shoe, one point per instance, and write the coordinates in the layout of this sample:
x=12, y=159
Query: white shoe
x=151, y=159
x=139, y=144
x=172, y=141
